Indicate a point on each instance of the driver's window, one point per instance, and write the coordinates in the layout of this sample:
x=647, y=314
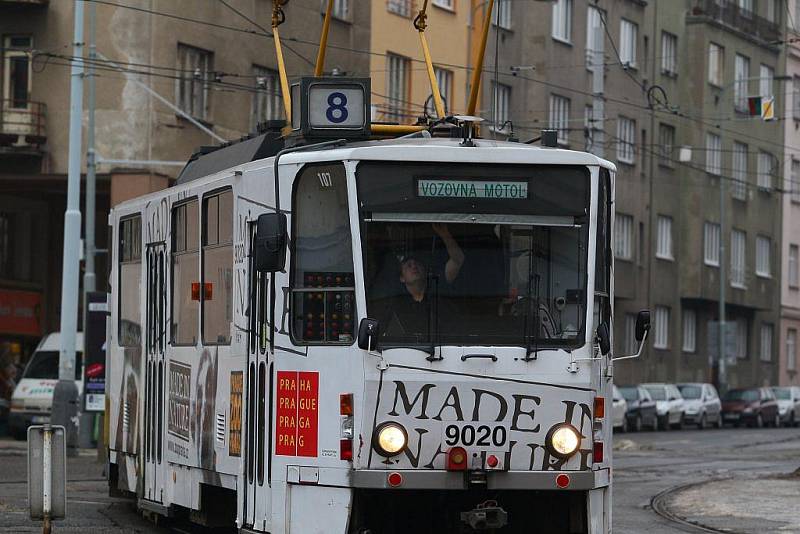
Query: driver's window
x=323, y=297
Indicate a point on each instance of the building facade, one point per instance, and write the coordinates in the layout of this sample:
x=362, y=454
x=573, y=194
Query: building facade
x=171, y=76
x=790, y=246
x=401, y=89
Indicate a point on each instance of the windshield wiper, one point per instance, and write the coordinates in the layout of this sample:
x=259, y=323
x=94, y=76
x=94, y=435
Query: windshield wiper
x=433, y=317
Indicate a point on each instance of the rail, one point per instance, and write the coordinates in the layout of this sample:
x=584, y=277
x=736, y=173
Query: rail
x=732, y=15
x=22, y=121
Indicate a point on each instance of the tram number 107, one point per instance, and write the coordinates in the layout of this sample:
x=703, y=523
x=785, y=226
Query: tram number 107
x=468, y=435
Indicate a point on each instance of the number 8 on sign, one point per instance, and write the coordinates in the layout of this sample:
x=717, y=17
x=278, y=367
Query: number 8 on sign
x=337, y=108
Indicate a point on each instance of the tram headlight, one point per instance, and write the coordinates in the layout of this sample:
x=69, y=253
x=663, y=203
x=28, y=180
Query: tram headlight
x=390, y=439
x=563, y=440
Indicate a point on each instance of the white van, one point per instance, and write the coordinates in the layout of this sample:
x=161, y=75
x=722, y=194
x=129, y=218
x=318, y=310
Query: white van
x=32, y=400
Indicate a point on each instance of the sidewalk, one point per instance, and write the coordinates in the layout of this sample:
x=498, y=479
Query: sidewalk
x=741, y=505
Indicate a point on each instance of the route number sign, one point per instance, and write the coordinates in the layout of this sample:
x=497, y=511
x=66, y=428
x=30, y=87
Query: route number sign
x=332, y=107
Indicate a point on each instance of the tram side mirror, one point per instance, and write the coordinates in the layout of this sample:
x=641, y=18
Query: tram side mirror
x=604, y=339
x=270, y=242
x=368, y=330
x=642, y=324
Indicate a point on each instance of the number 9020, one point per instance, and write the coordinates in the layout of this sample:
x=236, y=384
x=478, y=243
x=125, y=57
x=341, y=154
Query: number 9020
x=468, y=435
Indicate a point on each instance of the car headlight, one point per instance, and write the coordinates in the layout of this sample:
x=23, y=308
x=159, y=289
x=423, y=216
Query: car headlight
x=563, y=440
x=390, y=439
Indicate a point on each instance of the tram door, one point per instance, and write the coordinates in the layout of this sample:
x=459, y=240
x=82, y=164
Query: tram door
x=259, y=388
x=156, y=306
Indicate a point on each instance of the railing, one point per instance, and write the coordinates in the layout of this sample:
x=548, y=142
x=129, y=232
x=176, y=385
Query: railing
x=730, y=14
x=22, y=122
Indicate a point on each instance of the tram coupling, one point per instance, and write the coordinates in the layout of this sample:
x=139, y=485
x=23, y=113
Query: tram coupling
x=486, y=516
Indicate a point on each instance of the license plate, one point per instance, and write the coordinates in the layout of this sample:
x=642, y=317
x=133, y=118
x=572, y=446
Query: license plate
x=476, y=435
x=731, y=416
x=38, y=419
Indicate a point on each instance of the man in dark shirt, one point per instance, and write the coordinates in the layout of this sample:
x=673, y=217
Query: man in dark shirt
x=412, y=309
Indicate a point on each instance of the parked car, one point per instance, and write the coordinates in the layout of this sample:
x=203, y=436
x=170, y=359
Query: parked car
x=620, y=407
x=641, y=408
x=701, y=405
x=669, y=404
x=788, y=404
x=751, y=406
x=32, y=400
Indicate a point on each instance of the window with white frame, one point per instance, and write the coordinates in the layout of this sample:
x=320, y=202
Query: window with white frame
x=766, y=79
x=738, y=258
x=628, y=34
x=502, y=105
x=716, y=61
x=631, y=345
x=444, y=78
x=399, y=7
x=623, y=238
x=661, y=339
x=796, y=97
x=195, y=74
x=763, y=253
x=17, y=72
x=626, y=139
x=562, y=20
x=766, y=170
x=773, y=9
x=664, y=238
x=794, y=181
x=595, y=37
x=397, y=86
x=669, y=53
x=559, y=117
x=711, y=235
x=502, y=14
x=666, y=144
x=791, y=349
x=713, y=154
x=739, y=183
x=267, y=102
x=794, y=266
x=689, y=330
x=746, y=6
x=447, y=4
x=741, y=73
x=741, y=338
x=341, y=9
x=767, y=330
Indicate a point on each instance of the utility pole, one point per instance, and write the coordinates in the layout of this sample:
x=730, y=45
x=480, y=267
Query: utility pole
x=722, y=378
x=90, y=250
x=65, y=395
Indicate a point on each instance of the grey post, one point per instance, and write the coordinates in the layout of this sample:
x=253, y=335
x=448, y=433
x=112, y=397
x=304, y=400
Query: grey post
x=65, y=395
x=47, y=474
x=722, y=379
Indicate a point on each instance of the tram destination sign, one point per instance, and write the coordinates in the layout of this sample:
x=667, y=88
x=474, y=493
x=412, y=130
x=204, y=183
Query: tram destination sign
x=504, y=190
x=331, y=107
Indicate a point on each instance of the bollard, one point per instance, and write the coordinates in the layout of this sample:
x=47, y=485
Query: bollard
x=47, y=474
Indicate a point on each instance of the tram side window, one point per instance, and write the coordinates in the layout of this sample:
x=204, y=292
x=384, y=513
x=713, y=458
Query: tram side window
x=323, y=297
x=185, y=273
x=217, y=268
x=130, y=280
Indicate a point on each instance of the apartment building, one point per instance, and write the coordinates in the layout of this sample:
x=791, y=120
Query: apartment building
x=711, y=57
x=790, y=246
x=160, y=63
x=400, y=83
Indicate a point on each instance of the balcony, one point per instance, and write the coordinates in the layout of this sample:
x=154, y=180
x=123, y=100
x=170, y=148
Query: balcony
x=731, y=16
x=22, y=126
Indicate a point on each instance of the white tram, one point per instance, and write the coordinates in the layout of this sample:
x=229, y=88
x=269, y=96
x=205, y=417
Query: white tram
x=406, y=335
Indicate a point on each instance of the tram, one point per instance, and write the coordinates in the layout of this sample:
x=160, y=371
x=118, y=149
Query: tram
x=359, y=335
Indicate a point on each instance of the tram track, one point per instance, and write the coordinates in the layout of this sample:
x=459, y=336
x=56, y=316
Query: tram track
x=658, y=503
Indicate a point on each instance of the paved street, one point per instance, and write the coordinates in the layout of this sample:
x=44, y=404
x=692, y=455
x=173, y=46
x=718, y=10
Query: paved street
x=716, y=473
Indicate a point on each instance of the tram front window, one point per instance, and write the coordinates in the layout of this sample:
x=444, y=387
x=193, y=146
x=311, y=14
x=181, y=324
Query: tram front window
x=515, y=275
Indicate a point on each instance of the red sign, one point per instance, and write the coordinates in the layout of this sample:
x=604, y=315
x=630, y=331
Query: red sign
x=296, y=428
x=21, y=313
